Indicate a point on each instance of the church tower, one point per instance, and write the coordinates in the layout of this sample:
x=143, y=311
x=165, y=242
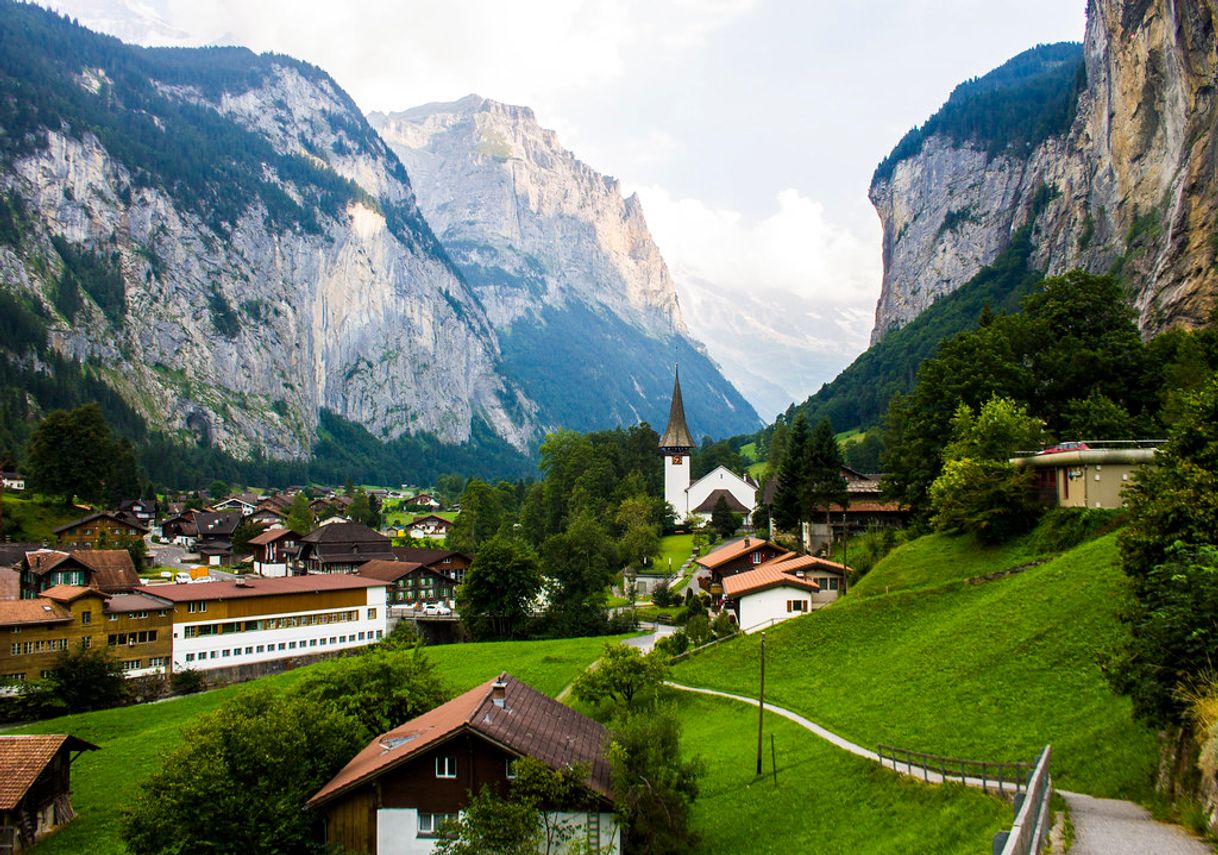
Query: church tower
x=675, y=446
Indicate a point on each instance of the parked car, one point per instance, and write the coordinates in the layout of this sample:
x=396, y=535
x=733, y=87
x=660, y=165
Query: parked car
x=181, y=578
x=437, y=609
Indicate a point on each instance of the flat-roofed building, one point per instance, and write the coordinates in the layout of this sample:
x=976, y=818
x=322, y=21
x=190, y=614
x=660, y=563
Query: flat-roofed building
x=257, y=619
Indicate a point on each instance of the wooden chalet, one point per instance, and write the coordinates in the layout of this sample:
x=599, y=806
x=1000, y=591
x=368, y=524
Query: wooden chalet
x=410, y=583
x=243, y=503
x=35, y=786
x=274, y=551
x=735, y=556
x=431, y=525
x=394, y=795
x=447, y=561
x=215, y=535
x=144, y=510
x=106, y=528
x=341, y=548
x=110, y=571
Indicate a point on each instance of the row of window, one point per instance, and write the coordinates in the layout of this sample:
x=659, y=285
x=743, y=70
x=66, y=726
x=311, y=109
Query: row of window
x=49, y=645
x=137, y=664
x=135, y=615
x=290, y=622
x=141, y=637
x=285, y=646
x=827, y=583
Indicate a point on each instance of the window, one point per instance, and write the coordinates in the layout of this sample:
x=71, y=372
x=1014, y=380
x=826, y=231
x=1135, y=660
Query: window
x=111, y=617
x=86, y=617
x=12, y=678
x=379, y=633
x=158, y=662
x=214, y=654
x=249, y=650
x=284, y=646
x=756, y=556
x=196, y=607
x=86, y=643
x=312, y=642
x=261, y=648
x=131, y=664
x=431, y=823
x=446, y=766
x=45, y=674
x=509, y=764
x=833, y=580
x=371, y=614
x=190, y=657
x=797, y=605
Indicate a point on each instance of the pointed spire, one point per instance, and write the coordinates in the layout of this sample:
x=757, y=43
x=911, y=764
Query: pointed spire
x=676, y=435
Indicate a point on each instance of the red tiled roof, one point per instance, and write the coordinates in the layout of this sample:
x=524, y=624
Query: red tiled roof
x=120, y=603
x=752, y=581
x=13, y=612
x=113, y=569
x=270, y=536
x=22, y=759
x=71, y=593
x=732, y=551
x=530, y=724
x=790, y=562
x=259, y=586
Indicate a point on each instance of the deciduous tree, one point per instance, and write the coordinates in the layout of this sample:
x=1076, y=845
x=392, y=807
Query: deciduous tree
x=500, y=588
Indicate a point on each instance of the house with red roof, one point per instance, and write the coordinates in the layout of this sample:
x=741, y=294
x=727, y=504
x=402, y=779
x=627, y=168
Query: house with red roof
x=35, y=786
x=735, y=556
x=108, y=570
x=274, y=551
x=395, y=794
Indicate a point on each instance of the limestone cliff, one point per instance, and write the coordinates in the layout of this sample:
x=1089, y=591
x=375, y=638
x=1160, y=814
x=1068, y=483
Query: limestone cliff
x=1129, y=183
x=563, y=264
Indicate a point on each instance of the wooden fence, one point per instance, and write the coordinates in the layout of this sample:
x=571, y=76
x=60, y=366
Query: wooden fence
x=1032, y=814
x=1003, y=776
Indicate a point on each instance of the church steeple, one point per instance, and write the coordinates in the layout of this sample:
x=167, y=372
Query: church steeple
x=676, y=438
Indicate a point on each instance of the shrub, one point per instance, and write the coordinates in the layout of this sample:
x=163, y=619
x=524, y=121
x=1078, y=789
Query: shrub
x=663, y=597
x=187, y=682
x=1063, y=528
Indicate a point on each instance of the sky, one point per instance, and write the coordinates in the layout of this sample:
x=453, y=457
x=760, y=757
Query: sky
x=749, y=128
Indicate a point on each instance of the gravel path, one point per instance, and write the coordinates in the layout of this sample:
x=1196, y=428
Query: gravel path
x=1113, y=827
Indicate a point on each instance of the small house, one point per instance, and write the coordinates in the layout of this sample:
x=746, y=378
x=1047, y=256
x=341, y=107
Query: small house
x=341, y=547
x=35, y=786
x=410, y=583
x=104, y=529
x=767, y=595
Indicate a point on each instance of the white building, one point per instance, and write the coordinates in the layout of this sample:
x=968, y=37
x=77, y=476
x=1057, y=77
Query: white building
x=254, y=620
x=767, y=595
x=699, y=497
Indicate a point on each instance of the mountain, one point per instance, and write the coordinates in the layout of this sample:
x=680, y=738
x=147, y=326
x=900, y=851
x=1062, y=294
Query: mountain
x=1108, y=152
x=1102, y=156
x=564, y=266
x=221, y=247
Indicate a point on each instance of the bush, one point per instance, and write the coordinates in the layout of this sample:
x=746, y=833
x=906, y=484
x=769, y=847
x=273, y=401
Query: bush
x=697, y=629
x=724, y=625
x=187, y=682
x=1064, y=528
x=663, y=597
x=673, y=645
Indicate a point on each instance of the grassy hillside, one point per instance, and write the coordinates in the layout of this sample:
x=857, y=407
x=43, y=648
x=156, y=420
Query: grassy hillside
x=825, y=801
x=133, y=739
x=29, y=520
x=940, y=559
x=990, y=671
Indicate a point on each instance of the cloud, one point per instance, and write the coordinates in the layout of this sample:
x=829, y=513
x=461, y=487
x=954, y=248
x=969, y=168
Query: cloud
x=789, y=297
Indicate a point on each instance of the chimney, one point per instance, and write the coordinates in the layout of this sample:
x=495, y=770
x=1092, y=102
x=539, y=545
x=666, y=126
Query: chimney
x=499, y=692
x=746, y=541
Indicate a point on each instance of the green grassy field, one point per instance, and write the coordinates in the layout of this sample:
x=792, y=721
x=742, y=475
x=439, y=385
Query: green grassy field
x=986, y=672
x=402, y=518
x=133, y=739
x=825, y=801
x=31, y=520
x=939, y=559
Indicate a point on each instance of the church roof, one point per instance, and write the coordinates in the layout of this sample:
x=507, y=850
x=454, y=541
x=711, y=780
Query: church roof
x=676, y=435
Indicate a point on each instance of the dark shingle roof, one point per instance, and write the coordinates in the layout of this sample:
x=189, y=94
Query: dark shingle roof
x=529, y=723
x=676, y=435
x=22, y=759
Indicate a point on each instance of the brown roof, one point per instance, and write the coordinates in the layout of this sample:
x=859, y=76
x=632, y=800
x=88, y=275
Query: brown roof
x=122, y=519
x=390, y=571
x=10, y=583
x=529, y=724
x=790, y=562
x=270, y=536
x=752, y=581
x=733, y=550
x=733, y=504
x=424, y=555
x=70, y=593
x=14, y=612
x=132, y=603
x=22, y=759
x=345, y=533
x=112, y=570
x=258, y=586
x=221, y=524
x=676, y=435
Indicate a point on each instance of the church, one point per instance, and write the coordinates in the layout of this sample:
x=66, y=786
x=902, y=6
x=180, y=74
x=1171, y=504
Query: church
x=698, y=498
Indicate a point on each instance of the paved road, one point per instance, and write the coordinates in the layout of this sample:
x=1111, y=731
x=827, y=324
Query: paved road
x=646, y=642
x=1113, y=827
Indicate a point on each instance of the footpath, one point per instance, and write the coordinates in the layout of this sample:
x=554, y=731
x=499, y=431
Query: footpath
x=1101, y=826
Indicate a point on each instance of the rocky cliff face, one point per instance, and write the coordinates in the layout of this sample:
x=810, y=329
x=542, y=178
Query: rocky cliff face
x=558, y=258
x=1131, y=186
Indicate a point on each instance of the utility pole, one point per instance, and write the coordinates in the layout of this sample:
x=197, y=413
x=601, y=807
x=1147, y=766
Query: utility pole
x=761, y=704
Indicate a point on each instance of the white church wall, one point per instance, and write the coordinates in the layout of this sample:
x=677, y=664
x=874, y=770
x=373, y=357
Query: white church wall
x=721, y=478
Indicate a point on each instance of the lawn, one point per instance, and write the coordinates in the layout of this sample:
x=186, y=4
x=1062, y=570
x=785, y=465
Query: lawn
x=404, y=518
x=939, y=559
x=825, y=800
x=30, y=520
x=132, y=739
x=986, y=672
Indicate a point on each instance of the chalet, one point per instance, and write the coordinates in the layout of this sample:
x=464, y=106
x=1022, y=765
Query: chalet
x=393, y=796
x=735, y=556
x=13, y=481
x=103, y=529
x=267, y=517
x=1082, y=475
x=866, y=508
x=34, y=632
x=423, y=500
x=255, y=620
x=142, y=510
x=432, y=526
x=181, y=529
x=767, y=595
x=35, y=786
x=341, y=548
x=274, y=551
x=410, y=584
x=829, y=576
x=215, y=535
x=446, y=561
x=110, y=571
x=243, y=503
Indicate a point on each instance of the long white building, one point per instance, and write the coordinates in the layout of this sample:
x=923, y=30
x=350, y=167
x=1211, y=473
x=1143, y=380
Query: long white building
x=222, y=624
